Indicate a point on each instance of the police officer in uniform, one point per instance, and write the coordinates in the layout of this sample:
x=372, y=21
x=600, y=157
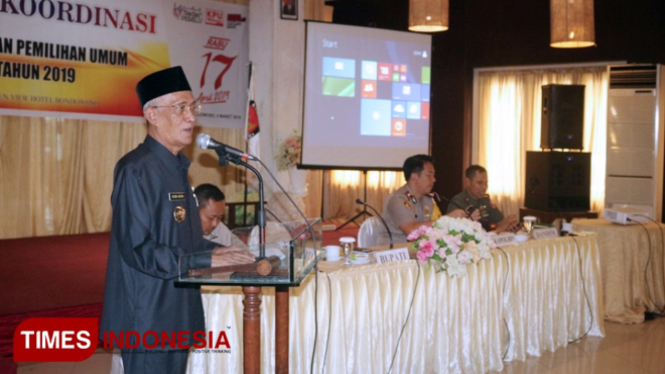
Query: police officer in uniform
x=412, y=205
x=155, y=221
x=474, y=198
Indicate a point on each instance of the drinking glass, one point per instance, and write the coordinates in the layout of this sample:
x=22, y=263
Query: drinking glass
x=346, y=242
x=528, y=222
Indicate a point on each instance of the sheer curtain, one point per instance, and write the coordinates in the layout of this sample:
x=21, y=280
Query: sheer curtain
x=509, y=125
x=343, y=187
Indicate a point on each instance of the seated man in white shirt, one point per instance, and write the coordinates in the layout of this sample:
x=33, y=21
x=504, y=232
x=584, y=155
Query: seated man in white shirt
x=212, y=206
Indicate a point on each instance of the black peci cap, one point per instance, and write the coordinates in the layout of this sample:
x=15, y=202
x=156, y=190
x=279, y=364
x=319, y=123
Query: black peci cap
x=161, y=83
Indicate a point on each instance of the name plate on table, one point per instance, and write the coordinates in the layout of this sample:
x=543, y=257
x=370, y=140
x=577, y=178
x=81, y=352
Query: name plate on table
x=384, y=257
x=549, y=232
x=504, y=239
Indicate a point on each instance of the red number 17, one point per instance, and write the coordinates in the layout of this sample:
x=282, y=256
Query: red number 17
x=227, y=61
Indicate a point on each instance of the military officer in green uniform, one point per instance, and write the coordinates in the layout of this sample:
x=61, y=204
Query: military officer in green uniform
x=412, y=205
x=475, y=199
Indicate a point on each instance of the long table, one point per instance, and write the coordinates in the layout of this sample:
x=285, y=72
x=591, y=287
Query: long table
x=630, y=287
x=405, y=317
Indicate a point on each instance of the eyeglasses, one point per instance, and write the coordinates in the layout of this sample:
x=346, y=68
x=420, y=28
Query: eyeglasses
x=194, y=108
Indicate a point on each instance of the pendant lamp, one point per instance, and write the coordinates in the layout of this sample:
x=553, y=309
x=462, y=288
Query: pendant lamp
x=571, y=23
x=428, y=15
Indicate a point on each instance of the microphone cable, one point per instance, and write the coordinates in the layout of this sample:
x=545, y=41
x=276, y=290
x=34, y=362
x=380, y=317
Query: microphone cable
x=316, y=316
x=415, y=288
x=309, y=226
x=505, y=284
x=662, y=247
x=325, y=352
x=646, y=267
x=586, y=296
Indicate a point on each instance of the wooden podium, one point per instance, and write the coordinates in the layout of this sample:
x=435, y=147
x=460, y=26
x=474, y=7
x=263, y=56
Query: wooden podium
x=251, y=327
x=301, y=255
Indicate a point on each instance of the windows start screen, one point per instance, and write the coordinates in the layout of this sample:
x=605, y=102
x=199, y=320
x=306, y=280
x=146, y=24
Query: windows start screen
x=390, y=94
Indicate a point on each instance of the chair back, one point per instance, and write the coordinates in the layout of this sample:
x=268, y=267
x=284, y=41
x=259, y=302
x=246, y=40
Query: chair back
x=275, y=232
x=243, y=233
x=371, y=233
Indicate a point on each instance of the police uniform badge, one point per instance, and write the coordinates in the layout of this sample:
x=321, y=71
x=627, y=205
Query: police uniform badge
x=407, y=205
x=411, y=198
x=426, y=209
x=179, y=213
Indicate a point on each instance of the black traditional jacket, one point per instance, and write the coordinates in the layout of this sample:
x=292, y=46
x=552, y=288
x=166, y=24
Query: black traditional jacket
x=155, y=220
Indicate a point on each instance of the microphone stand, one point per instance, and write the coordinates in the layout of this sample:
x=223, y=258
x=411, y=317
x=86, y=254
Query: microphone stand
x=362, y=212
x=224, y=157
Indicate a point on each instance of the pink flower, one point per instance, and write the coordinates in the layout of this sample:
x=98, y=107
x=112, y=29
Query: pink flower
x=417, y=233
x=426, y=248
x=413, y=236
x=453, y=241
x=422, y=257
x=442, y=253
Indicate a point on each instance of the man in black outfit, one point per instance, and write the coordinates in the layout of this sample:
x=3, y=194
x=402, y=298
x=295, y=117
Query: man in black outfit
x=155, y=221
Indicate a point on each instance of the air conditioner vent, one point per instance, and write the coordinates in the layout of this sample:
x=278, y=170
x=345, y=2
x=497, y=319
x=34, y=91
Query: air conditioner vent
x=633, y=76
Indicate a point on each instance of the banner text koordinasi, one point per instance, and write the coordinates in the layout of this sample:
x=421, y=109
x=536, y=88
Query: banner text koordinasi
x=81, y=14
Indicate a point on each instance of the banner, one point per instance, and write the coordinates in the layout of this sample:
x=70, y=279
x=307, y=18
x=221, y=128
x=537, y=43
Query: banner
x=210, y=40
x=83, y=59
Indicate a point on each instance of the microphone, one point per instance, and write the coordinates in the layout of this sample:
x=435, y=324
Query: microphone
x=438, y=197
x=206, y=142
x=385, y=224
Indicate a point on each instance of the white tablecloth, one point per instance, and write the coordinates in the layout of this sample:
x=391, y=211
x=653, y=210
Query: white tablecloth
x=629, y=287
x=455, y=325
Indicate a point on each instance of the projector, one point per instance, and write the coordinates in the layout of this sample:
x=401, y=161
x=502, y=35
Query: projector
x=626, y=216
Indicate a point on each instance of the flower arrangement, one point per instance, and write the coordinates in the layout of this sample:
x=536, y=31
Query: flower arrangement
x=451, y=244
x=288, y=153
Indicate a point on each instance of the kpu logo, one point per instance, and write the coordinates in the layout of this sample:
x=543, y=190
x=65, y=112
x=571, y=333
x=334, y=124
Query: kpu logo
x=214, y=17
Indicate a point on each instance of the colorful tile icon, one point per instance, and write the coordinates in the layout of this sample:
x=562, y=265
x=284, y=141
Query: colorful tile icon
x=398, y=127
x=425, y=75
x=385, y=72
x=369, y=70
x=424, y=110
x=368, y=89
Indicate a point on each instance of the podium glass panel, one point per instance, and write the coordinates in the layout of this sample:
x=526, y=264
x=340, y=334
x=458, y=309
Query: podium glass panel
x=286, y=263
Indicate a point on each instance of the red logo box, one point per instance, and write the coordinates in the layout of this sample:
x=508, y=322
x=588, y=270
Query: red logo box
x=55, y=339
